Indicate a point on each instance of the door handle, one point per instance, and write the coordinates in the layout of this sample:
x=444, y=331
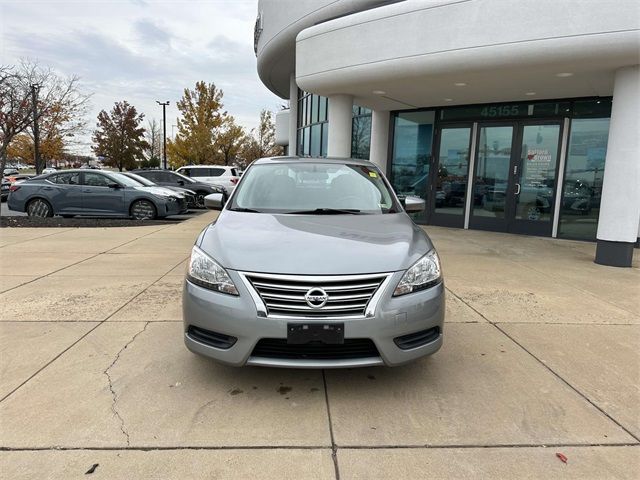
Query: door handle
x=518, y=191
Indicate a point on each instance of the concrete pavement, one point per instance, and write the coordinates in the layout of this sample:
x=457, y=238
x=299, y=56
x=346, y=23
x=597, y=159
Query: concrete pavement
x=540, y=356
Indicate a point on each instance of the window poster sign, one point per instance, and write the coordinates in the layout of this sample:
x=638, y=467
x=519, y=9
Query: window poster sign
x=538, y=166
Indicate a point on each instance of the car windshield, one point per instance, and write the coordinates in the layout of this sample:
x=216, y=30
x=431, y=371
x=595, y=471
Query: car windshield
x=314, y=188
x=144, y=181
x=124, y=180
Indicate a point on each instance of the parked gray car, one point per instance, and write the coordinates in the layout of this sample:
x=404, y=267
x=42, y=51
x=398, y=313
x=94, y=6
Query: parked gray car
x=313, y=264
x=93, y=193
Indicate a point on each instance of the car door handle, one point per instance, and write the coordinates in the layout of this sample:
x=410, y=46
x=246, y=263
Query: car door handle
x=517, y=191
x=87, y=191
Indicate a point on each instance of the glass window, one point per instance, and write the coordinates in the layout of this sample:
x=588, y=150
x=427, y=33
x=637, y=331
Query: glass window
x=66, y=178
x=411, y=156
x=312, y=115
x=96, y=180
x=325, y=138
x=453, y=170
x=314, y=108
x=361, y=136
x=307, y=141
x=582, y=188
x=315, y=140
x=323, y=109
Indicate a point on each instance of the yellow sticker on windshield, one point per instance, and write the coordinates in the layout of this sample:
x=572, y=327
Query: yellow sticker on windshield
x=373, y=174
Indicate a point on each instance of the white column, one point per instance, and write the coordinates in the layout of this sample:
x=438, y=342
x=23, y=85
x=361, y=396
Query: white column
x=293, y=115
x=340, y=122
x=620, y=204
x=379, y=153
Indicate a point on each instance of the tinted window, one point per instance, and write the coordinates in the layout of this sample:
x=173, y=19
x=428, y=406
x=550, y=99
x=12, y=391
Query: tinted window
x=96, y=180
x=66, y=178
x=186, y=171
x=584, y=173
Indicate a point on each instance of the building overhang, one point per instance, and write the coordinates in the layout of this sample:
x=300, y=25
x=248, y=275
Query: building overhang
x=437, y=53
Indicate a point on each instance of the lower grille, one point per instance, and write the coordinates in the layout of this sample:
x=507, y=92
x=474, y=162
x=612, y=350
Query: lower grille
x=212, y=339
x=351, y=348
x=414, y=340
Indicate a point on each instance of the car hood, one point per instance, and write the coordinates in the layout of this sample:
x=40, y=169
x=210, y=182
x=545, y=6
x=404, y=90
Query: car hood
x=161, y=191
x=314, y=244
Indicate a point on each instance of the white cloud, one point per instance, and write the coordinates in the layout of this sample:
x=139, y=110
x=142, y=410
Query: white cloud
x=142, y=51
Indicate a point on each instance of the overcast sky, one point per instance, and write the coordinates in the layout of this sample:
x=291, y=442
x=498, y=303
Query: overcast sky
x=142, y=50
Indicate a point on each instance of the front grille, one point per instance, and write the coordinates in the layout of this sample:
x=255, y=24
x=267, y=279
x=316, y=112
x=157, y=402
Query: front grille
x=347, y=296
x=414, y=340
x=350, y=349
x=212, y=339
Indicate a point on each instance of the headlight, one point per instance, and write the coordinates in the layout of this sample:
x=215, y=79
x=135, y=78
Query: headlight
x=205, y=272
x=423, y=274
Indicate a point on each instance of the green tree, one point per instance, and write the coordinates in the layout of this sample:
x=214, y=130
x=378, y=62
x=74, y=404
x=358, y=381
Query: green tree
x=120, y=137
x=262, y=141
x=229, y=140
x=201, y=119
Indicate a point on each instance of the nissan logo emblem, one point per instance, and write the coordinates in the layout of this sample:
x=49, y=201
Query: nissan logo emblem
x=316, y=297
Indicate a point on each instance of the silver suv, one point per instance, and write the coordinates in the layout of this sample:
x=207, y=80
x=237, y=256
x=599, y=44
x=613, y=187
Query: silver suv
x=313, y=263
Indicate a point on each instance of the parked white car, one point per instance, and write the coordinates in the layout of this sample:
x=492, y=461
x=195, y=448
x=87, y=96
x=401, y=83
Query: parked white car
x=49, y=170
x=214, y=174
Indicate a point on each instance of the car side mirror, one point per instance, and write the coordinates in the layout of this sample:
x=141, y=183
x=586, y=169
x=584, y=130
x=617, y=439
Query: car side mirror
x=181, y=182
x=213, y=201
x=114, y=185
x=414, y=204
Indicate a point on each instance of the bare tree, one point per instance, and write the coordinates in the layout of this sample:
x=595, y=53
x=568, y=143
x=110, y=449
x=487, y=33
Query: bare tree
x=61, y=108
x=153, y=136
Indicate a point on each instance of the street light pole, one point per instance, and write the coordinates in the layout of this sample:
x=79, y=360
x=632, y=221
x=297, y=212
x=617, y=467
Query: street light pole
x=164, y=132
x=36, y=130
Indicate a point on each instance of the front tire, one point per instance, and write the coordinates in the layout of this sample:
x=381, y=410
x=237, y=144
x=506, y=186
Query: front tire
x=39, y=208
x=143, y=210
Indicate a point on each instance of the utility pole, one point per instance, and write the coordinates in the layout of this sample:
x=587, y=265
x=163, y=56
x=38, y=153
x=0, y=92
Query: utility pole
x=36, y=131
x=164, y=132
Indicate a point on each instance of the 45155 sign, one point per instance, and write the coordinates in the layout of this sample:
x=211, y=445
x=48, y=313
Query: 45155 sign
x=500, y=111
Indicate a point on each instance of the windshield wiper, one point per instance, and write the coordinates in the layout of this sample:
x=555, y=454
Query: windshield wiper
x=242, y=209
x=327, y=211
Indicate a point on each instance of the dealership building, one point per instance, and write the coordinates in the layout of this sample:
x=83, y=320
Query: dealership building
x=510, y=116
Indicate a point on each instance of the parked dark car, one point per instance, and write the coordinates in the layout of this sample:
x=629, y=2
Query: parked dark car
x=169, y=178
x=189, y=195
x=4, y=189
x=94, y=193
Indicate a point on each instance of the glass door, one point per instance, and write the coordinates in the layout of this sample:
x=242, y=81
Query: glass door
x=515, y=177
x=450, y=176
x=535, y=170
x=492, y=187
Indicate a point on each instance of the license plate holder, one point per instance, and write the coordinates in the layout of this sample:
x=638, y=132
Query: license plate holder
x=301, y=333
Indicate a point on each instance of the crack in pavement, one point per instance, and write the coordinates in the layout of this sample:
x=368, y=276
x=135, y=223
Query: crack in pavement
x=113, y=393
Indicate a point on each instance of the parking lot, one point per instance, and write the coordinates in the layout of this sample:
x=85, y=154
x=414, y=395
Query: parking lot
x=540, y=358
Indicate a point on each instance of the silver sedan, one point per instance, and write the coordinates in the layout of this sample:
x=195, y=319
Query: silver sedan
x=314, y=264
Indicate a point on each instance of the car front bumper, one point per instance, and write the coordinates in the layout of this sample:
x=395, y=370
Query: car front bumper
x=237, y=316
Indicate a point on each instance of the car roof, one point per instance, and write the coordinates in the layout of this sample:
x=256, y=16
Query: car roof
x=330, y=160
x=207, y=166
